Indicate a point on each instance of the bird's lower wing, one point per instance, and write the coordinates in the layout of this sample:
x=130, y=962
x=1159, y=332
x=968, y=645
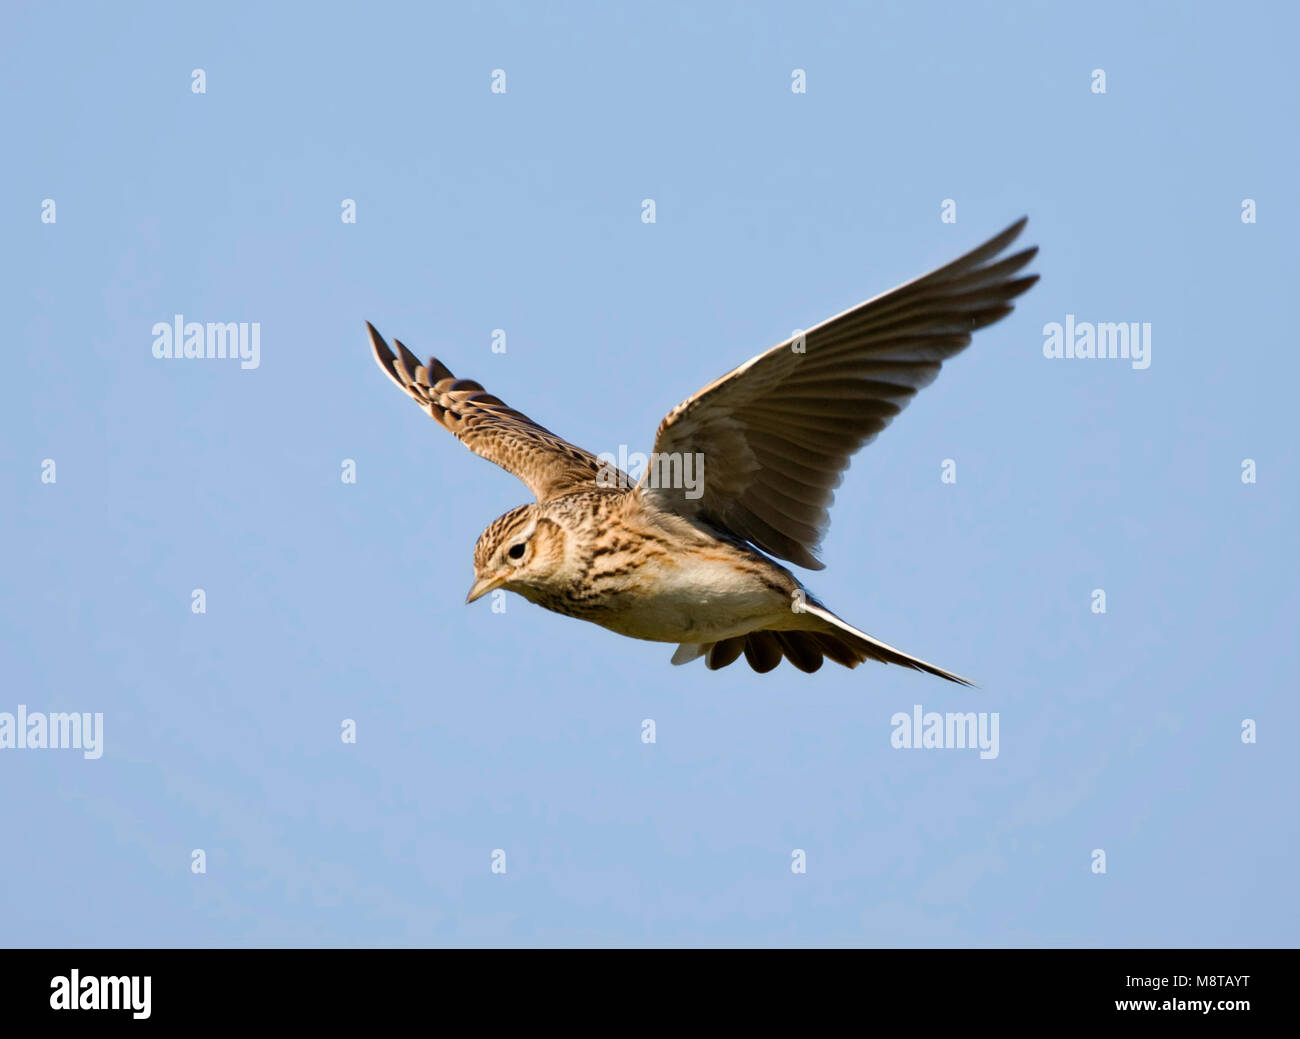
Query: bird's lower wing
x=777, y=433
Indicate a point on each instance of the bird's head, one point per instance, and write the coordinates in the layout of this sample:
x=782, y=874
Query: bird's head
x=523, y=551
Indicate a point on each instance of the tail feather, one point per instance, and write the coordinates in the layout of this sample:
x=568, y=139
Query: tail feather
x=803, y=651
x=722, y=653
x=807, y=650
x=862, y=643
x=762, y=651
x=840, y=652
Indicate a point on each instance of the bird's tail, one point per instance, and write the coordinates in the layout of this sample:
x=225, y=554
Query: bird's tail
x=807, y=649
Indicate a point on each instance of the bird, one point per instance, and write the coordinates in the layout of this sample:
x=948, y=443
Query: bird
x=694, y=562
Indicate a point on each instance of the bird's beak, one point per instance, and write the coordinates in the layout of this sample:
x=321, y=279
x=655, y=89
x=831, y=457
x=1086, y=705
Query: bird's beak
x=484, y=585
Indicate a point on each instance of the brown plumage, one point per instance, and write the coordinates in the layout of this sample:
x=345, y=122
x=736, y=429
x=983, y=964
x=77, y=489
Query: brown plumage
x=669, y=564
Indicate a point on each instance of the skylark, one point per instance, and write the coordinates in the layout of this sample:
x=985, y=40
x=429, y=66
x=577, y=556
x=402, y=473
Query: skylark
x=692, y=566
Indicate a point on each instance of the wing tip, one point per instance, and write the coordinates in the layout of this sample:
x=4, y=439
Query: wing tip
x=1005, y=237
x=376, y=340
x=383, y=355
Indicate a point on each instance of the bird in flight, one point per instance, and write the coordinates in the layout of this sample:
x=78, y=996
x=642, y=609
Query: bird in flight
x=692, y=563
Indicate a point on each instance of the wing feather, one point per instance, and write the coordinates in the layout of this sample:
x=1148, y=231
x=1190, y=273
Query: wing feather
x=778, y=432
x=547, y=464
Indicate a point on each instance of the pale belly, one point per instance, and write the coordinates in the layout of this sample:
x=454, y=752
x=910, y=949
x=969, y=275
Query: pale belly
x=705, y=601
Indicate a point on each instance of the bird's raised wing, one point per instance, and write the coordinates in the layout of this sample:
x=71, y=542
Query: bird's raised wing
x=548, y=465
x=777, y=433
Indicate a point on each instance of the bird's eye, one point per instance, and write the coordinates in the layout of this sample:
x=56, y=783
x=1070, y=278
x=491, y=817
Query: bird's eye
x=516, y=551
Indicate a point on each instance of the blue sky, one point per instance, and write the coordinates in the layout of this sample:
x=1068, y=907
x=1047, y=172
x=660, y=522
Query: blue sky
x=521, y=731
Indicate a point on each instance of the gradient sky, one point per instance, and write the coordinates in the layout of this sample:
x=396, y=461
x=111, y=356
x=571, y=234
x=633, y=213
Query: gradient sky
x=522, y=731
